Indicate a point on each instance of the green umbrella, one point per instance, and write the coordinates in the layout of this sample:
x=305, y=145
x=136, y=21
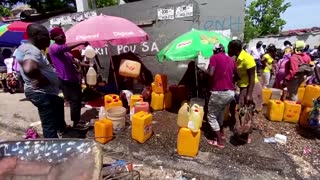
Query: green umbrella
x=190, y=44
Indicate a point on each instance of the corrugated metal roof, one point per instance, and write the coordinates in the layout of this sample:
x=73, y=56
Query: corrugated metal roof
x=296, y=32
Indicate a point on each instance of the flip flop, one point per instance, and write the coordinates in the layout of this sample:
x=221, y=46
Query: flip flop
x=215, y=144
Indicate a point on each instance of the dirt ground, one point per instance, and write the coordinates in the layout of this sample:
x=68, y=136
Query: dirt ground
x=298, y=159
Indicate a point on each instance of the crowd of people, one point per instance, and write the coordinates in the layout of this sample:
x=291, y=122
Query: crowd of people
x=45, y=70
x=233, y=78
x=240, y=69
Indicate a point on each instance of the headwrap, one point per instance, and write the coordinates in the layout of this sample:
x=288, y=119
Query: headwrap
x=299, y=46
x=57, y=31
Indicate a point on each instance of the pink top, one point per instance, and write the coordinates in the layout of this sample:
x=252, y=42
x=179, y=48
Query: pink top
x=294, y=64
x=225, y=68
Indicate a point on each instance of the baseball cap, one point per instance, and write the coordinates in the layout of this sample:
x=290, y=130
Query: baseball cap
x=218, y=47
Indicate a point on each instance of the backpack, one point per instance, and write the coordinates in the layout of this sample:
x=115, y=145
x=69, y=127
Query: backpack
x=304, y=68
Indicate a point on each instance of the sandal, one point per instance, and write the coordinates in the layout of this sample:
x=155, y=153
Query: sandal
x=215, y=144
x=249, y=140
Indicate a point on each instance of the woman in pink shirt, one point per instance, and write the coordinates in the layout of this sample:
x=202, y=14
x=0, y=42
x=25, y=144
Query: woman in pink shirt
x=281, y=70
x=222, y=70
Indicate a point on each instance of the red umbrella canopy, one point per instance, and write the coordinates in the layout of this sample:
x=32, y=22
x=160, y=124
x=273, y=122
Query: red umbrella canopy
x=18, y=26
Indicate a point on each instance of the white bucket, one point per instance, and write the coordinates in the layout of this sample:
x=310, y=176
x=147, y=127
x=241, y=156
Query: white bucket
x=276, y=94
x=118, y=117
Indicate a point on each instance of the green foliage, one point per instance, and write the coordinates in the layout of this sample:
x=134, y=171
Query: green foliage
x=103, y=3
x=43, y=6
x=263, y=18
x=4, y=12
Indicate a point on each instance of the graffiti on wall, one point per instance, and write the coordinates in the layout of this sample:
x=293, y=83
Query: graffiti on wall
x=234, y=23
x=146, y=47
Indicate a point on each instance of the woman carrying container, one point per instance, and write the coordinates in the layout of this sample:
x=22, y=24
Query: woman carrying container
x=250, y=87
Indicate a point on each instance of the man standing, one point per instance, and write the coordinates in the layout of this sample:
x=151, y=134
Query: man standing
x=294, y=78
x=222, y=71
x=69, y=77
x=257, y=52
x=41, y=82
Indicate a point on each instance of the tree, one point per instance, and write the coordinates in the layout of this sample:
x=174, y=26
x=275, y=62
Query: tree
x=43, y=6
x=103, y=3
x=4, y=11
x=263, y=17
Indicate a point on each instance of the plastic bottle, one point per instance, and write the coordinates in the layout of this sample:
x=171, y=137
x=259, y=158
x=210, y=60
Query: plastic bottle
x=195, y=118
x=183, y=116
x=102, y=113
x=91, y=77
x=89, y=52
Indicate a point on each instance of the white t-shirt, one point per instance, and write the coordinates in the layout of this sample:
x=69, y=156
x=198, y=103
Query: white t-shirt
x=9, y=63
x=257, y=53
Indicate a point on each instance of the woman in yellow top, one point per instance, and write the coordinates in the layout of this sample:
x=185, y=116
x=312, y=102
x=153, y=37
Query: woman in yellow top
x=250, y=87
x=267, y=62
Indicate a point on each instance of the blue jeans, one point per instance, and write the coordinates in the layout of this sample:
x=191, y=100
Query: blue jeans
x=51, y=112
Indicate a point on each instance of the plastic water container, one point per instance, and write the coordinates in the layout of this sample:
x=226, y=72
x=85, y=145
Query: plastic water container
x=89, y=52
x=195, y=118
x=183, y=116
x=134, y=99
x=304, y=118
x=301, y=91
x=292, y=112
x=312, y=92
x=129, y=68
x=102, y=113
x=153, y=87
x=266, y=94
x=188, y=142
x=157, y=101
x=275, y=110
x=111, y=97
x=167, y=100
x=141, y=106
x=113, y=103
x=141, y=126
x=91, y=76
x=118, y=117
x=160, y=83
x=103, y=131
x=276, y=94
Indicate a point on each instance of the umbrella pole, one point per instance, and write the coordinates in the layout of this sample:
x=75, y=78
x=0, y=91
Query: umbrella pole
x=195, y=70
x=114, y=72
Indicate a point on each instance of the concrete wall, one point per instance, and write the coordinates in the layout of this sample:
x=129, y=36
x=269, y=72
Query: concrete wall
x=207, y=15
x=311, y=39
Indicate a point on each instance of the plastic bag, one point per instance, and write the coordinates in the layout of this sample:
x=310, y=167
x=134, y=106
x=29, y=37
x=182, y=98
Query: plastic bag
x=244, y=122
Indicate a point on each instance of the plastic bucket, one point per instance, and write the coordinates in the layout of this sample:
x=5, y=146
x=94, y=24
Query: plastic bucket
x=118, y=117
x=276, y=94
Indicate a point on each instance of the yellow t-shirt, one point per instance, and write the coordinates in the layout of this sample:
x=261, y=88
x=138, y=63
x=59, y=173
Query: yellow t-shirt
x=268, y=67
x=244, y=62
